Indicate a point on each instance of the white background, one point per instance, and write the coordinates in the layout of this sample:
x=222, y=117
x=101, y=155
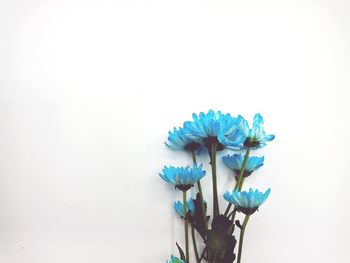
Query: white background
x=89, y=90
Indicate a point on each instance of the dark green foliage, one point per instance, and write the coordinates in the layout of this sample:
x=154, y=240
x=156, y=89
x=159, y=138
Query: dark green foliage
x=220, y=243
x=221, y=224
x=229, y=255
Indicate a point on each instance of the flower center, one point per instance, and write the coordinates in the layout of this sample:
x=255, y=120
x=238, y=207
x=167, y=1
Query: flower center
x=183, y=187
x=251, y=143
x=209, y=141
x=192, y=147
x=247, y=211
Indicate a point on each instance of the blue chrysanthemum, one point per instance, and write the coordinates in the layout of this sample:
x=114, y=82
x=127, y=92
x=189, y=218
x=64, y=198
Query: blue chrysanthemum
x=175, y=260
x=209, y=127
x=246, y=137
x=179, y=207
x=178, y=139
x=247, y=202
x=234, y=162
x=182, y=177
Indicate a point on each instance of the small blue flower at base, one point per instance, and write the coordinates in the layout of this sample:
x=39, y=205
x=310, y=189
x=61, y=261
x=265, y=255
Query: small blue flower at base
x=209, y=127
x=178, y=139
x=247, y=202
x=248, y=138
x=179, y=208
x=235, y=161
x=182, y=177
x=175, y=260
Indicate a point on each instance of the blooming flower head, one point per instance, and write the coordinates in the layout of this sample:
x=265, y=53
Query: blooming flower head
x=175, y=260
x=208, y=127
x=178, y=139
x=179, y=207
x=234, y=162
x=247, y=202
x=182, y=177
x=253, y=138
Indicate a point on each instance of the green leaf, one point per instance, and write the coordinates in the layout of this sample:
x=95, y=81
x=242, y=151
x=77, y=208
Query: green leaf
x=216, y=241
x=219, y=242
x=221, y=224
x=197, y=219
x=238, y=224
x=182, y=254
x=230, y=255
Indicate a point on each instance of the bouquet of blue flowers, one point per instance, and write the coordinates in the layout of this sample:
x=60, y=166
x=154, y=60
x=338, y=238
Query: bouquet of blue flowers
x=214, y=132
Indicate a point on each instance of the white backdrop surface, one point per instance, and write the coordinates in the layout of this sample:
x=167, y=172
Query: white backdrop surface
x=89, y=90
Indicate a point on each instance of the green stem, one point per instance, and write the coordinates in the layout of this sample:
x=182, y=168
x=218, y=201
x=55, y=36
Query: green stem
x=227, y=209
x=215, y=188
x=239, y=183
x=194, y=157
x=231, y=214
x=195, y=244
x=186, y=226
x=200, y=194
x=241, y=236
x=233, y=220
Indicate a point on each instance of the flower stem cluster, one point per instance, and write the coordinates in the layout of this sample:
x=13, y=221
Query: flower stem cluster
x=213, y=133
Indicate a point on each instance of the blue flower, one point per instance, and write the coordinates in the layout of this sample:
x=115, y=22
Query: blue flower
x=234, y=162
x=182, y=177
x=175, y=260
x=247, y=202
x=178, y=139
x=179, y=208
x=253, y=138
x=208, y=128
